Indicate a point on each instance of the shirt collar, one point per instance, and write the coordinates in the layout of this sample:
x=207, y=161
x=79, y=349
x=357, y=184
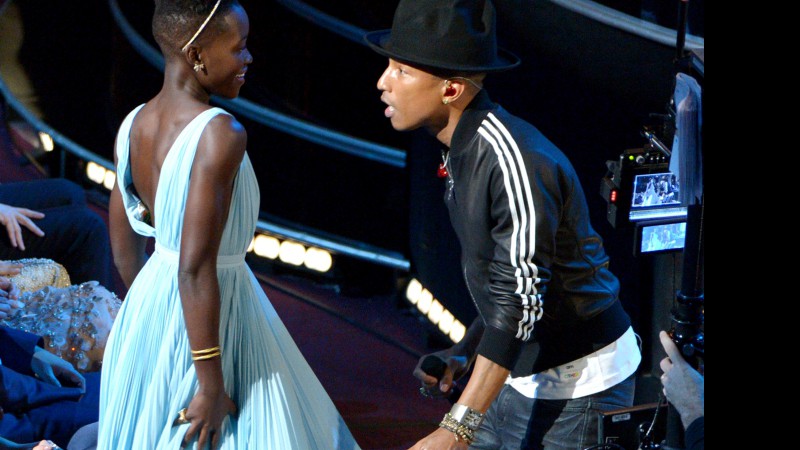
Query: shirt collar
x=470, y=120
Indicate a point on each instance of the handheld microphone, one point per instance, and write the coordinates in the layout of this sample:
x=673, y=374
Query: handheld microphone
x=435, y=367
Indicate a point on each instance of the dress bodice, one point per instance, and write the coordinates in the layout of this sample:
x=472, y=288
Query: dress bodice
x=173, y=188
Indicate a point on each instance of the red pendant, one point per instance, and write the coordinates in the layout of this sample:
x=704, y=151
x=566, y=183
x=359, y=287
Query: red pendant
x=442, y=172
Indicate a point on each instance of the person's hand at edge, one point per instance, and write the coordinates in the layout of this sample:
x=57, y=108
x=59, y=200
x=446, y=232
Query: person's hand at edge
x=14, y=219
x=46, y=445
x=49, y=368
x=9, y=298
x=10, y=268
x=683, y=385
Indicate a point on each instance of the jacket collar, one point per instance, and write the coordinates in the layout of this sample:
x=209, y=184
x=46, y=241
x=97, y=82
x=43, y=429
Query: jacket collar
x=470, y=120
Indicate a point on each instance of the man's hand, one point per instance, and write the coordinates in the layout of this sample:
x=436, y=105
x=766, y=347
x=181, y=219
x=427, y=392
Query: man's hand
x=683, y=386
x=9, y=298
x=49, y=368
x=14, y=219
x=440, y=439
x=455, y=367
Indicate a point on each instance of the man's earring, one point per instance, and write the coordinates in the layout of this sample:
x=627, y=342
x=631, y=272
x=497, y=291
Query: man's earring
x=445, y=101
x=198, y=66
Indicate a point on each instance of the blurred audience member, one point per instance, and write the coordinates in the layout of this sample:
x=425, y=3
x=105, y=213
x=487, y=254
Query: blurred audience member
x=41, y=395
x=50, y=219
x=74, y=321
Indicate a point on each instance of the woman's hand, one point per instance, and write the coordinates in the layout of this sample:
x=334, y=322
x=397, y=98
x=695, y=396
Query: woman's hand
x=49, y=368
x=46, y=445
x=14, y=219
x=9, y=269
x=206, y=413
x=9, y=298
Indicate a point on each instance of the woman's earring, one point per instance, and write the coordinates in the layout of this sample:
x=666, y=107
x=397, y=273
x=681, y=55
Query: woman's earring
x=198, y=66
x=445, y=101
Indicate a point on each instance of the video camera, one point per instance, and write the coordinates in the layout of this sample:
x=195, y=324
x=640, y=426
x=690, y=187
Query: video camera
x=642, y=192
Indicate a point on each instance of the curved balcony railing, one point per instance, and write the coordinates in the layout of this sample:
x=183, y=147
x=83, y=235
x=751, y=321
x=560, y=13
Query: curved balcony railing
x=587, y=8
x=336, y=244
x=265, y=116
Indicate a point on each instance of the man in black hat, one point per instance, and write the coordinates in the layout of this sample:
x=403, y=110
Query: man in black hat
x=552, y=344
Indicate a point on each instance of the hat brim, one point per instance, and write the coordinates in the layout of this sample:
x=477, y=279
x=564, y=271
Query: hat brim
x=377, y=41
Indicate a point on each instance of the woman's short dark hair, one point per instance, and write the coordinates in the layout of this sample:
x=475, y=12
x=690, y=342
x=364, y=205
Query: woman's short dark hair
x=176, y=21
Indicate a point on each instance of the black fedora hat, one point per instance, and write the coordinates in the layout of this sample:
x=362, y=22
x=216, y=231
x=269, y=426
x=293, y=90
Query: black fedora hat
x=456, y=35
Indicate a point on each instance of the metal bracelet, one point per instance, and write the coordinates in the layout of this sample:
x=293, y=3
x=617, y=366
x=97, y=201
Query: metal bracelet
x=462, y=433
x=466, y=416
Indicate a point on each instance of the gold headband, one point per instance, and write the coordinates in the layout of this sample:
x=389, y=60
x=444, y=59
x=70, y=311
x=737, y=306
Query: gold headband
x=200, y=30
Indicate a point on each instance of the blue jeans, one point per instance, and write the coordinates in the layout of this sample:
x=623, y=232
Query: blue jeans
x=516, y=422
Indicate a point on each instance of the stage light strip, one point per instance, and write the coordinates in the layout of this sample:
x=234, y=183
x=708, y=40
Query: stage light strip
x=47, y=141
x=270, y=247
x=431, y=308
x=337, y=244
x=100, y=175
x=291, y=253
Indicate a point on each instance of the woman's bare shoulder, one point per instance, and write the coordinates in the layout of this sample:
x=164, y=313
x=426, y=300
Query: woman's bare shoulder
x=223, y=142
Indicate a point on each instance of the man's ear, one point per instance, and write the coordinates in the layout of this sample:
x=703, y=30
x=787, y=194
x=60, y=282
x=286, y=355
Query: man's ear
x=452, y=90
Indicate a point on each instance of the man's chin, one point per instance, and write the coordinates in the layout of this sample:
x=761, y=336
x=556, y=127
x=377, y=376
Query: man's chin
x=399, y=126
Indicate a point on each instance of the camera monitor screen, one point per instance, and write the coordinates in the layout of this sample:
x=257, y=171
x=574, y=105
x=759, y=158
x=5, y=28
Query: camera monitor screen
x=660, y=237
x=656, y=196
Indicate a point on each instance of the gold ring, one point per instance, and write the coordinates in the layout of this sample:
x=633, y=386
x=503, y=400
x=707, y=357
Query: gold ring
x=182, y=419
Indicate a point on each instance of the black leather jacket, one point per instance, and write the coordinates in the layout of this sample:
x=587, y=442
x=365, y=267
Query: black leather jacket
x=533, y=265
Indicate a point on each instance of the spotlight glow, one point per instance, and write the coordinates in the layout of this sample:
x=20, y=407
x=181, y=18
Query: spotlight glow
x=457, y=331
x=95, y=172
x=47, y=141
x=292, y=253
x=266, y=246
x=445, y=322
x=435, y=313
x=425, y=300
x=434, y=310
x=413, y=291
x=108, y=179
x=317, y=259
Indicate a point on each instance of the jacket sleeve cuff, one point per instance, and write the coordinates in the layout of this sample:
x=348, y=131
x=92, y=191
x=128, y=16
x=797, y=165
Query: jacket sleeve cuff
x=695, y=434
x=18, y=348
x=25, y=342
x=500, y=347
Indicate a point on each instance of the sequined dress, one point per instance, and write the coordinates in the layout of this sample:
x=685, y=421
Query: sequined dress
x=148, y=375
x=74, y=321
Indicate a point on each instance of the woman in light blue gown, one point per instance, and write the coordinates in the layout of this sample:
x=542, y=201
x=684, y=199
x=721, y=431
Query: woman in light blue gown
x=197, y=354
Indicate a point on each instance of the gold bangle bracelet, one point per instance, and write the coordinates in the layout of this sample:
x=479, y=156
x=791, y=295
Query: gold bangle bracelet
x=205, y=350
x=203, y=357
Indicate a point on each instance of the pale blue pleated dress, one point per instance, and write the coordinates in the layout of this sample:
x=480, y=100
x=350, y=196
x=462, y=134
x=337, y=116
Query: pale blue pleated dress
x=148, y=374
